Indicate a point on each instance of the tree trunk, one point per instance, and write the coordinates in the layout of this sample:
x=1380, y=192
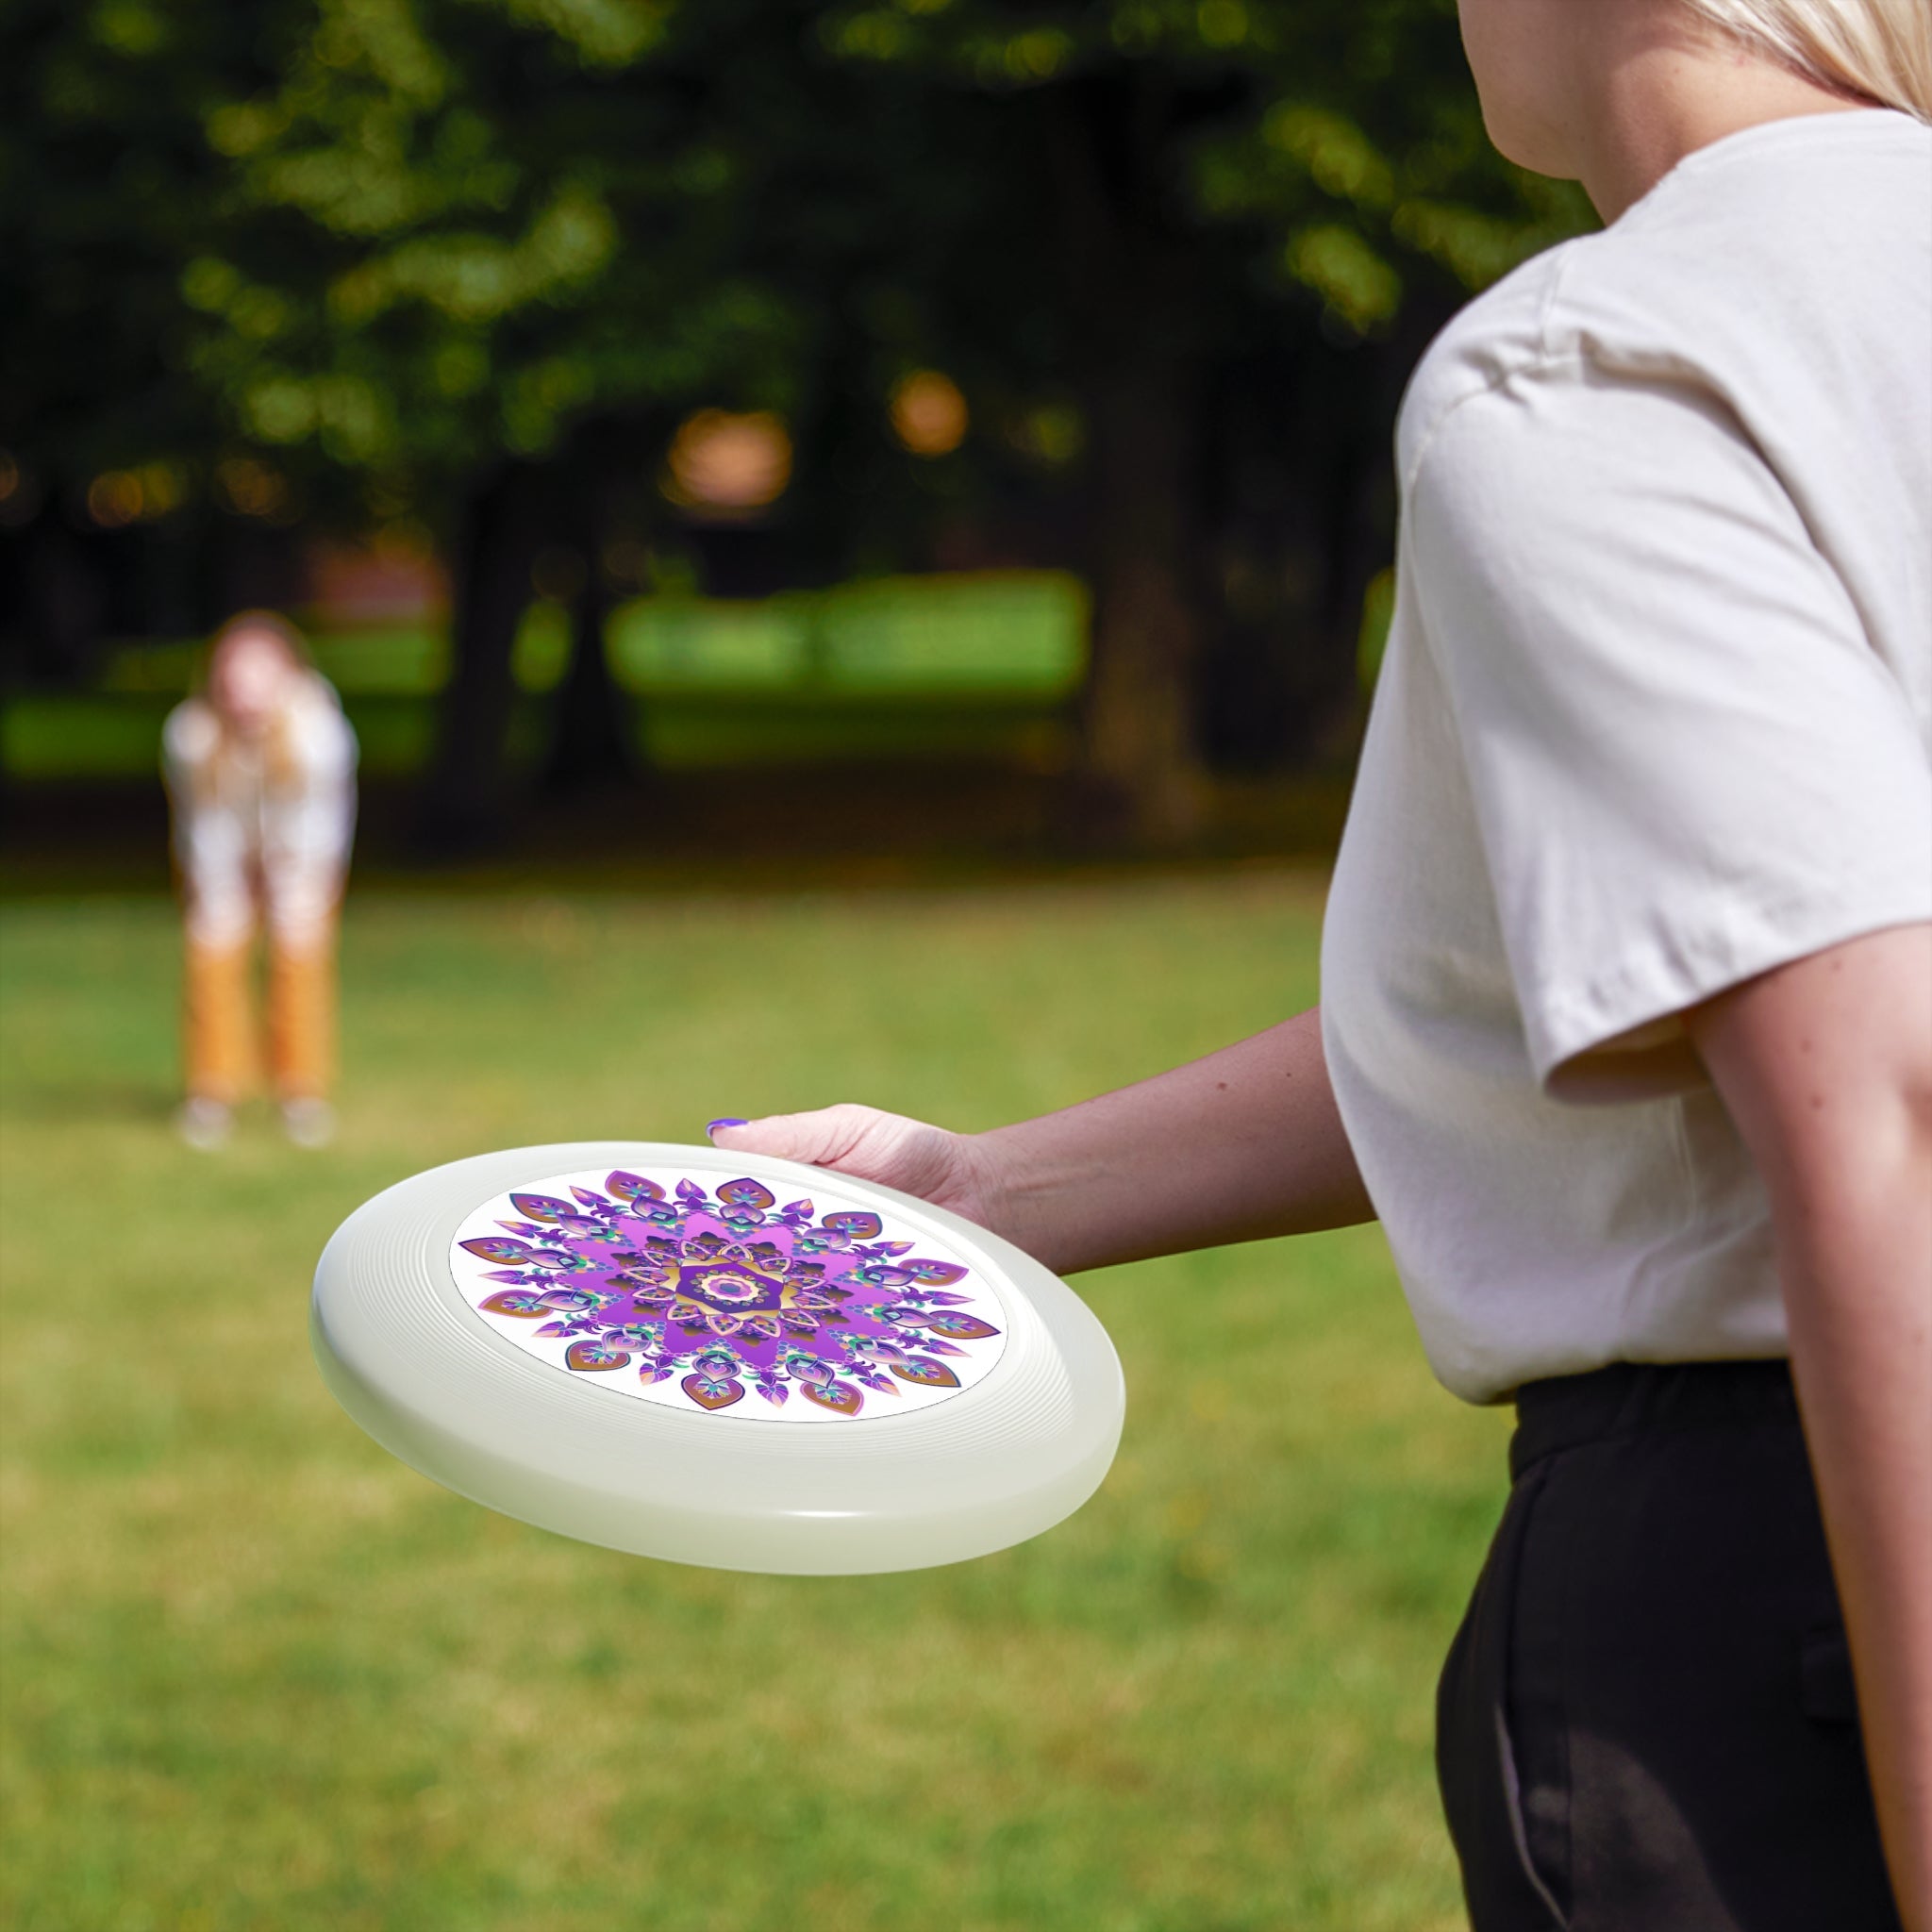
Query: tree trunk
x=466, y=803
x=590, y=745
x=593, y=742
x=1133, y=305
x=1140, y=739
x=63, y=605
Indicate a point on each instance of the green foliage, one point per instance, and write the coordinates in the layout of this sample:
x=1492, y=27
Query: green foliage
x=1347, y=133
x=107, y=189
x=397, y=239
x=499, y=239
x=258, y=1674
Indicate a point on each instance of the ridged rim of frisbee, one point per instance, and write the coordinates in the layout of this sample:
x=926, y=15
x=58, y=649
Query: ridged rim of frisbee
x=414, y=1363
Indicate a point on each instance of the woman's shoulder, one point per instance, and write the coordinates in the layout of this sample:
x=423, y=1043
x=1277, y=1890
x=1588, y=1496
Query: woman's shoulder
x=190, y=734
x=1597, y=305
x=1755, y=265
x=1501, y=333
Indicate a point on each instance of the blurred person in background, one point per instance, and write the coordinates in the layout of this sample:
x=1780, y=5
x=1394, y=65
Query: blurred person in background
x=260, y=768
x=1627, y=1022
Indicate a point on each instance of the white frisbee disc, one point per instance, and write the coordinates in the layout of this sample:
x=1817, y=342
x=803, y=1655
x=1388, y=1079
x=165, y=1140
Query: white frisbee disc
x=717, y=1359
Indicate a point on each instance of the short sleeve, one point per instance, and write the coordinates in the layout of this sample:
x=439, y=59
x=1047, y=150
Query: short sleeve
x=1688, y=763
x=188, y=742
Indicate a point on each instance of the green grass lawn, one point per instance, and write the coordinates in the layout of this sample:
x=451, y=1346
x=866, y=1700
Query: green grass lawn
x=983, y=664
x=258, y=1674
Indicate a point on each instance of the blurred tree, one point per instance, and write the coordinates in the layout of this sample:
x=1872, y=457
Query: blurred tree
x=514, y=235
x=529, y=239
x=107, y=189
x=1234, y=195
x=469, y=263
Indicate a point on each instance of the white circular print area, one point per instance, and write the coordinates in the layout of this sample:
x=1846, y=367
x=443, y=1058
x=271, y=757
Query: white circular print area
x=726, y=1303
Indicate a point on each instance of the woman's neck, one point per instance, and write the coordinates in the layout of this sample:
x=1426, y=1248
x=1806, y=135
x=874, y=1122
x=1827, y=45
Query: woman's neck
x=1656, y=97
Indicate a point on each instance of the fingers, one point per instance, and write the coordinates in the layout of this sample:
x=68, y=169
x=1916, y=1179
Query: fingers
x=859, y=1140
x=820, y=1138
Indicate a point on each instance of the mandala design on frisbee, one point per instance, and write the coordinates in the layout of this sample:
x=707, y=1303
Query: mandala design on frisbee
x=726, y=1303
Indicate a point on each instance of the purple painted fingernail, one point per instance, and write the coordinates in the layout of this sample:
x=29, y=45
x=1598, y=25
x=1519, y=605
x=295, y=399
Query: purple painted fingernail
x=716, y=1124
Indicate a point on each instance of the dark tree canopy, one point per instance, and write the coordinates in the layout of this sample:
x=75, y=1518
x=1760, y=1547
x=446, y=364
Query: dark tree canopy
x=469, y=263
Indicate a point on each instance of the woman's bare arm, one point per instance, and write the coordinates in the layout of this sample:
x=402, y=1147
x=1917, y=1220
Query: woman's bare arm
x=1239, y=1146
x=1827, y=1068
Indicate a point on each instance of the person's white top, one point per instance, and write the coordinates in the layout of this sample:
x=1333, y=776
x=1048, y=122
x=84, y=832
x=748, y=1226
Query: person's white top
x=267, y=821
x=1656, y=717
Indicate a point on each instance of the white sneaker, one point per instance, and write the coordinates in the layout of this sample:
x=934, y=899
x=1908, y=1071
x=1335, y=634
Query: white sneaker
x=204, y=1123
x=309, y=1121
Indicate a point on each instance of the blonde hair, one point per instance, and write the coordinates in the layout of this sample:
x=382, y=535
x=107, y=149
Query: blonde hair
x=1879, y=50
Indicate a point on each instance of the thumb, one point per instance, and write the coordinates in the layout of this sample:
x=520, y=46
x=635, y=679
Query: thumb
x=889, y=1148
x=815, y=1140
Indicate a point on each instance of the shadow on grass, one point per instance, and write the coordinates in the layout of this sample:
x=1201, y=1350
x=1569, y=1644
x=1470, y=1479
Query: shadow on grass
x=767, y=829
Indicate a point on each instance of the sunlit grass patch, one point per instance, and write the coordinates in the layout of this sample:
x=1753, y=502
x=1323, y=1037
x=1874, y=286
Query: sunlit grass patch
x=258, y=1674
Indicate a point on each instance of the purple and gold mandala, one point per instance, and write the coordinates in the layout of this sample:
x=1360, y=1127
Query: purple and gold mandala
x=725, y=1303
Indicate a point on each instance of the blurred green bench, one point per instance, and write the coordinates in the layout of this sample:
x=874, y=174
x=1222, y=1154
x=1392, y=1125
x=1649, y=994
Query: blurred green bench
x=975, y=666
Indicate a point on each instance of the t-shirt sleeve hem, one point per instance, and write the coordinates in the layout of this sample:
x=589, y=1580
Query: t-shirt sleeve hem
x=1647, y=995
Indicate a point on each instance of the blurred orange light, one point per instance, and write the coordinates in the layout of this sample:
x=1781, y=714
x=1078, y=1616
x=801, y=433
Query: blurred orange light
x=929, y=415
x=251, y=489
x=10, y=476
x=728, y=464
x=114, y=499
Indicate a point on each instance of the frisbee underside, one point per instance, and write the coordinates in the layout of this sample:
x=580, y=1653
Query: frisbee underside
x=944, y=1421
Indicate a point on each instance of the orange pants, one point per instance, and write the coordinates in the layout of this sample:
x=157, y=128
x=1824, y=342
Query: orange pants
x=223, y=1049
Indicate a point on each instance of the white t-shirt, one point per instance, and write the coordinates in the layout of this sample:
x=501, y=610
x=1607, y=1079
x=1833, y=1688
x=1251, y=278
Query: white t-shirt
x=245, y=831
x=1656, y=716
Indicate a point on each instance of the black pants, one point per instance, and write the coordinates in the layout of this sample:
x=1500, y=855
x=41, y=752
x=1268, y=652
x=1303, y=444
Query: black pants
x=1646, y=1722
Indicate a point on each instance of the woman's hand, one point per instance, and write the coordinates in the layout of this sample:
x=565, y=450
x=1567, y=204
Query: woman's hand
x=949, y=1170
x=1237, y=1147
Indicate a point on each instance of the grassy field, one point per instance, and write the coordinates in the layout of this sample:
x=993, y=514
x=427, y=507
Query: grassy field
x=258, y=1674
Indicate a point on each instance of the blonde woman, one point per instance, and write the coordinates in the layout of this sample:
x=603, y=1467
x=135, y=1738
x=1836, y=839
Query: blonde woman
x=1626, y=1032
x=260, y=768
